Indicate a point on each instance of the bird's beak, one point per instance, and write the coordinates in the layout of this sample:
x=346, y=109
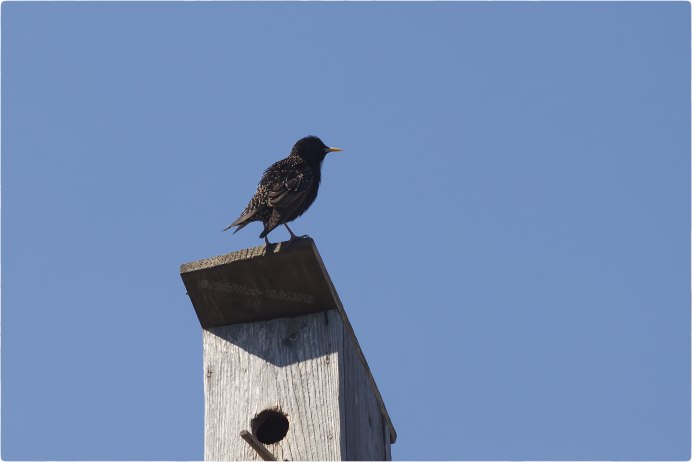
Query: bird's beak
x=334, y=149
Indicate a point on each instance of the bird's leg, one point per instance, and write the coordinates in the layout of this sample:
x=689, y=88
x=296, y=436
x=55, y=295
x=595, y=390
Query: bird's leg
x=293, y=236
x=266, y=239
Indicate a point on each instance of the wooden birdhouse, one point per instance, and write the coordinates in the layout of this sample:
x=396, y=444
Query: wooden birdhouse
x=284, y=376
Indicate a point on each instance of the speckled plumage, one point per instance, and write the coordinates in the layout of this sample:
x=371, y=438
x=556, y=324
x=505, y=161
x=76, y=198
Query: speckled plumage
x=287, y=188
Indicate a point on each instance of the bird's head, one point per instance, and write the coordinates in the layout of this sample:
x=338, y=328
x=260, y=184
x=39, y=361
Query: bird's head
x=311, y=149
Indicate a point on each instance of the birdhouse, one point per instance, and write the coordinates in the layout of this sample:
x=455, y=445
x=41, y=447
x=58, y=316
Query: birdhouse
x=284, y=376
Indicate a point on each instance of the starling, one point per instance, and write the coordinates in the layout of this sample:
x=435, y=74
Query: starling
x=287, y=188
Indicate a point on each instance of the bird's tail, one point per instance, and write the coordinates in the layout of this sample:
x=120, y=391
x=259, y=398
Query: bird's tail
x=239, y=221
x=239, y=227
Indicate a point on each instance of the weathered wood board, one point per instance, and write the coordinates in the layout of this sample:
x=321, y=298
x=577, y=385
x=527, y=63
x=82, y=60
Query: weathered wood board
x=255, y=284
x=286, y=364
x=366, y=432
x=304, y=367
x=276, y=336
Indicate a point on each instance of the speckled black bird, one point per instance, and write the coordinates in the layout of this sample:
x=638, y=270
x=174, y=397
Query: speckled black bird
x=287, y=188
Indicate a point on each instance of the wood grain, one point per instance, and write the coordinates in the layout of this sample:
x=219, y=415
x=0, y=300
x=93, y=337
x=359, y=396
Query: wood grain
x=256, y=285
x=363, y=436
x=294, y=369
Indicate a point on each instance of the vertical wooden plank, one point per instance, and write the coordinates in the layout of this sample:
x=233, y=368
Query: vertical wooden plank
x=387, y=444
x=288, y=364
x=362, y=437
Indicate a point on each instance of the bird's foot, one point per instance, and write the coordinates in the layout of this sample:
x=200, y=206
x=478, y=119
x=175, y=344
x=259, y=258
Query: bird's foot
x=293, y=236
x=293, y=239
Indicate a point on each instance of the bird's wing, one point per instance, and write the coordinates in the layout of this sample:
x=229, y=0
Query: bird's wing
x=289, y=190
x=287, y=193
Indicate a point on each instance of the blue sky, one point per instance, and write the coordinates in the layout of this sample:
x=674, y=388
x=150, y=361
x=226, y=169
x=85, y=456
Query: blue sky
x=508, y=225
